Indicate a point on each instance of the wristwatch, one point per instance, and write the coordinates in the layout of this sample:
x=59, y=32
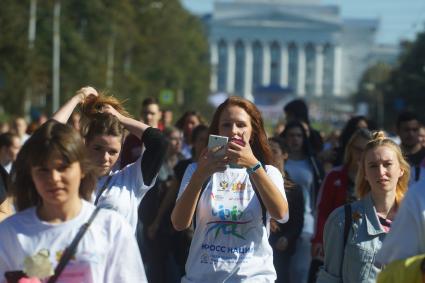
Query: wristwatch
x=254, y=168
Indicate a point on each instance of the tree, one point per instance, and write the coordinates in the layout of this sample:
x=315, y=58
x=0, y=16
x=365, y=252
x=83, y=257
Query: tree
x=136, y=48
x=371, y=90
x=406, y=85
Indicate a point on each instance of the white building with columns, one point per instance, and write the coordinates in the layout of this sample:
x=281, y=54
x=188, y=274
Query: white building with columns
x=299, y=44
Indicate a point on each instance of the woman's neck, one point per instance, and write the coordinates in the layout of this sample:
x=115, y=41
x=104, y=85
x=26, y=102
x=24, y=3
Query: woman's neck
x=59, y=213
x=280, y=165
x=385, y=204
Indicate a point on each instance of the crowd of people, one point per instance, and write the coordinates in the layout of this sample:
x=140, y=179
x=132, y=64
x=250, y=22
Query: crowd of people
x=94, y=195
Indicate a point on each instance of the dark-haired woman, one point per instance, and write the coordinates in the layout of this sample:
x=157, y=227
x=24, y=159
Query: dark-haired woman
x=51, y=185
x=103, y=124
x=232, y=192
x=187, y=122
x=305, y=172
x=283, y=237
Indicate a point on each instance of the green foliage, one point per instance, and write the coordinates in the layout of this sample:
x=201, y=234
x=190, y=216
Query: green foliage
x=371, y=89
x=155, y=45
x=407, y=81
x=394, y=89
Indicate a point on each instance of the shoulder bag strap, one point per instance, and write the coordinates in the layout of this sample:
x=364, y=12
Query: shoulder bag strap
x=71, y=249
x=104, y=187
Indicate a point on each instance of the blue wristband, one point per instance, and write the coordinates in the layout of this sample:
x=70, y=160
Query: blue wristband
x=254, y=168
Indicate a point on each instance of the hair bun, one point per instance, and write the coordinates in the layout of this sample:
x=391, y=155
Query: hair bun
x=378, y=135
x=93, y=105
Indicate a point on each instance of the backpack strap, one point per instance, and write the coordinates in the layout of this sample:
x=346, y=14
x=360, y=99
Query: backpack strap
x=263, y=207
x=417, y=172
x=347, y=227
x=204, y=186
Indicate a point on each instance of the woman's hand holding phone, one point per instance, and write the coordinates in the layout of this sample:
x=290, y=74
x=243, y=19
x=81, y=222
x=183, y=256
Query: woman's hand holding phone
x=210, y=163
x=213, y=159
x=240, y=153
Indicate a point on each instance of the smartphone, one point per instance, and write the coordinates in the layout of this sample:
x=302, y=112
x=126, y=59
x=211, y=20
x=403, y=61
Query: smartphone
x=215, y=141
x=14, y=276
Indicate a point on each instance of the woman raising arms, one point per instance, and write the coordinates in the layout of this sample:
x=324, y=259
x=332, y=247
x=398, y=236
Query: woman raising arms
x=104, y=121
x=231, y=195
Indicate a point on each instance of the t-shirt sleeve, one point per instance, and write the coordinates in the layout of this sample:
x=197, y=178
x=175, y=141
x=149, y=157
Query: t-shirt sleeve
x=186, y=178
x=153, y=156
x=407, y=231
x=124, y=263
x=277, y=179
x=132, y=176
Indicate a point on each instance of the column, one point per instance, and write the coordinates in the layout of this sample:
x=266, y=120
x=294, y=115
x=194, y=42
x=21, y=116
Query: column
x=230, y=72
x=284, y=65
x=249, y=61
x=318, y=74
x=337, y=70
x=214, y=67
x=301, y=65
x=265, y=78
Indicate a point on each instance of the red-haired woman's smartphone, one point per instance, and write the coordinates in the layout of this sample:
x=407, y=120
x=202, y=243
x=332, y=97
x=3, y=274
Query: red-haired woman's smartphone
x=14, y=276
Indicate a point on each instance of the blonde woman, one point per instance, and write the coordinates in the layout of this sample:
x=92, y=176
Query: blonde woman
x=354, y=233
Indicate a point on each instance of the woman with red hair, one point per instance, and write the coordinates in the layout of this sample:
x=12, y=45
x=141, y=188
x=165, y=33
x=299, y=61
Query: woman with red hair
x=231, y=198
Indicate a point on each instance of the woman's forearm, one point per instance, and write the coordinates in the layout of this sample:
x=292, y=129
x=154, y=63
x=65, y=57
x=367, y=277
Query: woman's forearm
x=63, y=114
x=135, y=127
x=184, y=209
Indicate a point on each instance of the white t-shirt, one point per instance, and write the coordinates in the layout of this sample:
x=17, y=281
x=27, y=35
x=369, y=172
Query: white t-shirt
x=107, y=252
x=407, y=235
x=230, y=242
x=124, y=192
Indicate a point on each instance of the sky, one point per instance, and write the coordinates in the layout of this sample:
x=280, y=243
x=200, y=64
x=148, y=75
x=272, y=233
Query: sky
x=399, y=19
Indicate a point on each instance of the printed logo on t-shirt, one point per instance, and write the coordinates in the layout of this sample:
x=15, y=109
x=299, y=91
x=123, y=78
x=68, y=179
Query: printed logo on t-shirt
x=234, y=187
x=223, y=186
x=229, y=223
x=39, y=266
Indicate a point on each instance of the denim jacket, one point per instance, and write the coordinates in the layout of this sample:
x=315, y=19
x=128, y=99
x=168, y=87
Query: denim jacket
x=363, y=242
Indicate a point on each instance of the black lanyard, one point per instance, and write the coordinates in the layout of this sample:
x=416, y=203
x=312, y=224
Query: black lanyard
x=104, y=187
